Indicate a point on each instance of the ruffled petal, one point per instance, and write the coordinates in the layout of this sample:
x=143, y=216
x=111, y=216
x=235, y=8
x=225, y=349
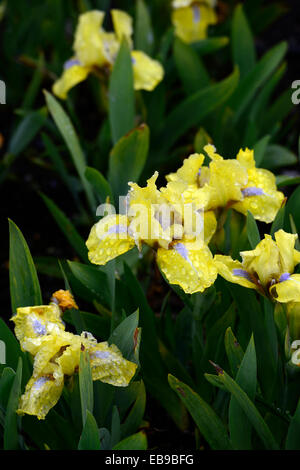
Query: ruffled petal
x=234, y=271
x=109, y=366
x=189, y=265
x=183, y=186
x=109, y=238
x=33, y=324
x=189, y=171
x=178, y=192
x=246, y=158
x=41, y=394
x=150, y=217
x=147, y=195
x=147, y=72
x=51, y=349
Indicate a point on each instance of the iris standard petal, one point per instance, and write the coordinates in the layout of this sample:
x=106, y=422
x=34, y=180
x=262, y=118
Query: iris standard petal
x=286, y=242
x=147, y=72
x=264, y=260
x=189, y=171
x=226, y=178
x=246, y=158
x=88, y=43
x=122, y=23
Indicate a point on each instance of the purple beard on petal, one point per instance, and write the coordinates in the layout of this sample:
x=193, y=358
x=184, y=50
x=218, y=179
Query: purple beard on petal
x=117, y=229
x=100, y=354
x=39, y=328
x=252, y=191
x=40, y=382
x=196, y=13
x=284, y=277
x=70, y=63
x=242, y=273
x=182, y=250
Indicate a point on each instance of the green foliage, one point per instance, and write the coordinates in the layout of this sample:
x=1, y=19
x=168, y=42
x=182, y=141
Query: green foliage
x=205, y=418
x=85, y=386
x=90, y=437
x=121, y=95
x=11, y=435
x=69, y=135
x=221, y=89
x=127, y=160
x=243, y=49
x=24, y=285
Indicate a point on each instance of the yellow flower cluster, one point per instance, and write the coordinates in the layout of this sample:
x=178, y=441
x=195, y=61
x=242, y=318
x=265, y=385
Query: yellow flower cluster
x=268, y=268
x=95, y=48
x=191, y=18
x=41, y=331
x=180, y=219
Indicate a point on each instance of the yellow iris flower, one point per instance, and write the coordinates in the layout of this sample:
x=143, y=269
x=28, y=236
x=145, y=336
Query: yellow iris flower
x=225, y=183
x=260, y=195
x=191, y=19
x=182, y=253
x=269, y=268
x=237, y=183
x=41, y=331
x=181, y=238
x=95, y=48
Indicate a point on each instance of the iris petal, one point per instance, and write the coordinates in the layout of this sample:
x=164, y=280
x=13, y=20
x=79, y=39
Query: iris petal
x=189, y=265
